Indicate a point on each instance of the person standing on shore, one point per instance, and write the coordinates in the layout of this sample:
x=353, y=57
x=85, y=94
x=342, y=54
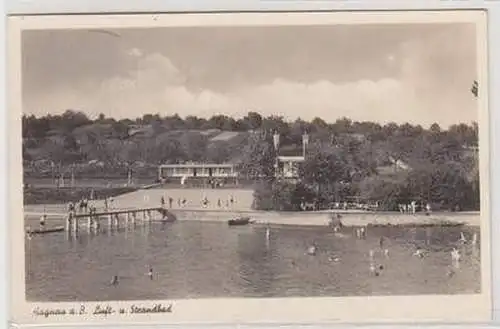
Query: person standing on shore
x=428, y=208
x=42, y=220
x=170, y=202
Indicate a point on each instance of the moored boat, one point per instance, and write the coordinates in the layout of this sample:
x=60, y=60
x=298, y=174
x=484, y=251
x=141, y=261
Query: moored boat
x=239, y=221
x=45, y=230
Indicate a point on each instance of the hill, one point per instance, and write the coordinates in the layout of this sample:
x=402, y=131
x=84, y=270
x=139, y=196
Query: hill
x=344, y=158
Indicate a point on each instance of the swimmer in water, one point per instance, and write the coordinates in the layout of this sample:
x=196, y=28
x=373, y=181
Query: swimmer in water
x=114, y=280
x=42, y=220
x=150, y=273
x=455, y=255
x=418, y=253
x=474, y=239
x=462, y=239
x=312, y=250
x=373, y=270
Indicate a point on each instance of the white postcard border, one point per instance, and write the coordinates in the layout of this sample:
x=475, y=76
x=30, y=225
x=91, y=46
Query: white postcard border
x=281, y=310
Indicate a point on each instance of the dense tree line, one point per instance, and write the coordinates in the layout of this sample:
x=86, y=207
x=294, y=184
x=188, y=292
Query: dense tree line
x=343, y=158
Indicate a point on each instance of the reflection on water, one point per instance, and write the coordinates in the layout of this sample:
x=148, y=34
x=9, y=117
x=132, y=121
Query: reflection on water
x=199, y=259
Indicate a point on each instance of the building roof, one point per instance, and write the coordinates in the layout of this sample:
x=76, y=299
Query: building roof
x=198, y=165
x=291, y=158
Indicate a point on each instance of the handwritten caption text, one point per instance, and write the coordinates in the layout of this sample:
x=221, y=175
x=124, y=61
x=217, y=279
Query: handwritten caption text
x=101, y=310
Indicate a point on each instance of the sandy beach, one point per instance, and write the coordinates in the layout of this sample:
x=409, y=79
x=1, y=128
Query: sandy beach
x=220, y=209
x=320, y=218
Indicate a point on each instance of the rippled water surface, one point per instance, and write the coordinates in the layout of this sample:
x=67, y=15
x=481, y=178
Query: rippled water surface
x=194, y=259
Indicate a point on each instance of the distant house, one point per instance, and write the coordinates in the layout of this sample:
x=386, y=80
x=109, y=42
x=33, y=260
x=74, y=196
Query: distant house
x=399, y=164
x=135, y=130
x=358, y=137
x=289, y=160
x=288, y=166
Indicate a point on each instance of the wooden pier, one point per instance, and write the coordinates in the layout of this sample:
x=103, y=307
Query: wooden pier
x=117, y=218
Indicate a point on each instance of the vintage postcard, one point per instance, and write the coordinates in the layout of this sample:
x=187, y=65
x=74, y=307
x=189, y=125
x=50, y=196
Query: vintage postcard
x=249, y=168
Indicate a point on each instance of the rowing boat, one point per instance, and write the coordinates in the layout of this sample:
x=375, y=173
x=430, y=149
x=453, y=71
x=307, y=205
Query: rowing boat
x=45, y=230
x=239, y=221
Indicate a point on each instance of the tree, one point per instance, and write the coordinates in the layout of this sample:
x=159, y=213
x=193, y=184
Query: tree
x=252, y=120
x=435, y=128
x=218, y=152
x=72, y=119
x=193, y=146
x=386, y=191
x=258, y=158
x=325, y=170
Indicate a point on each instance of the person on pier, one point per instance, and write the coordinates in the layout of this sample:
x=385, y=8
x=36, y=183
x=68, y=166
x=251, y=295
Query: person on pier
x=83, y=205
x=42, y=220
x=71, y=207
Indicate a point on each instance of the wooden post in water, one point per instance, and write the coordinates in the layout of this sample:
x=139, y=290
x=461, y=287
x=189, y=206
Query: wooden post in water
x=117, y=221
x=89, y=223
x=110, y=222
x=149, y=216
x=134, y=215
x=127, y=219
x=75, y=225
x=68, y=222
x=96, y=223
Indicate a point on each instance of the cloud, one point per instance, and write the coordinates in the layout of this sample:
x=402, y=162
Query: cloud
x=135, y=52
x=156, y=85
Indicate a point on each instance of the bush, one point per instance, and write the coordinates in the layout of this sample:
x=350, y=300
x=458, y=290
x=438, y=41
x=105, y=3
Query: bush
x=280, y=196
x=65, y=195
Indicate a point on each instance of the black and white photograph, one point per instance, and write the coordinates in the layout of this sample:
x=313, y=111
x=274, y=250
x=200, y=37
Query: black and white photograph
x=252, y=159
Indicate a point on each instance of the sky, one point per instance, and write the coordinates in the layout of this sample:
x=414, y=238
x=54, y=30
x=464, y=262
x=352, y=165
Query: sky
x=416, y=73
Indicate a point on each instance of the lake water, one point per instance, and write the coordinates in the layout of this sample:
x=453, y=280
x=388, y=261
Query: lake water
x=194, y=259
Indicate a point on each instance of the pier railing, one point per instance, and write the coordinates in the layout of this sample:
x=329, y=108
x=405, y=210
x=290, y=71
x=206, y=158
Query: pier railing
x=115, y=218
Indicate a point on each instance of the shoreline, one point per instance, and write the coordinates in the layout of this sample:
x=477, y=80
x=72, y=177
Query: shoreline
x=303, y=218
